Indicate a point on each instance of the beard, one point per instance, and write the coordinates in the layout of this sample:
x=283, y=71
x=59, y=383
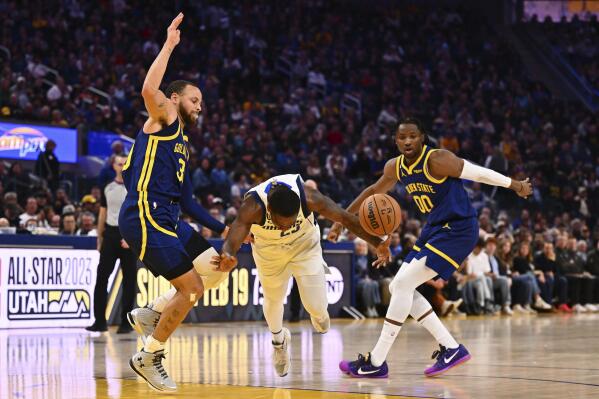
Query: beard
x=189, y=118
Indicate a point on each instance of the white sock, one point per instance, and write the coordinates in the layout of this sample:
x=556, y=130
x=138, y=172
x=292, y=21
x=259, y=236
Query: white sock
x=426, y=317
x=153, y=345
x=277, y=338
x=402, y=289
x=160, y=302
x=383, y=345
x=432, y=323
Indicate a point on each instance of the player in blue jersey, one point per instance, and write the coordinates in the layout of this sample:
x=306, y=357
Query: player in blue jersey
x=158, y=188
x=433, y=179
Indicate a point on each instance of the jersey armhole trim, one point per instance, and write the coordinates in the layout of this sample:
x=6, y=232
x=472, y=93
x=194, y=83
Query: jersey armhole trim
x=300, y=187
x=397, y=169
x=259, y=201
x=426, y=172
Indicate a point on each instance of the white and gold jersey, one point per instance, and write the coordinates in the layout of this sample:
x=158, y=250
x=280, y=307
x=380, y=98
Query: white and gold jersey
x=266, y=233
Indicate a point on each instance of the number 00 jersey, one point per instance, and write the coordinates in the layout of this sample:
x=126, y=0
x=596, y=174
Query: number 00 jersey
x=156, y=163
x=440, y=200
x=267, y=234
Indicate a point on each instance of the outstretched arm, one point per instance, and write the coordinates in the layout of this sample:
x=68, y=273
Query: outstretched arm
x=249, y=213
x=381, y=186
x=190, y=206
x=156, y=102
x=444, y=163
x=325, y=206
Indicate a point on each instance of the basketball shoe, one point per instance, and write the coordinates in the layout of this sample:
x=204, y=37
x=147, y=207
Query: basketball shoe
x=363, y=368
x=280, y=354
x=149, y=367
x=446, y=359
x=321, y=326
x=143, y=321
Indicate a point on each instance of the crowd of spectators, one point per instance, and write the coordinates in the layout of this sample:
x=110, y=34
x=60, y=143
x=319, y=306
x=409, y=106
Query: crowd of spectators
x=317, y=88
x=577, y=41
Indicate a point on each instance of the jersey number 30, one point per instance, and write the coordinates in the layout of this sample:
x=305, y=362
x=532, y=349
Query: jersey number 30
x=424, y=203
x=181, y=171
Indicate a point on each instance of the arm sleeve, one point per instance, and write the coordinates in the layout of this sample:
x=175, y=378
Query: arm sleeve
x=483, y=175
x=191, y=207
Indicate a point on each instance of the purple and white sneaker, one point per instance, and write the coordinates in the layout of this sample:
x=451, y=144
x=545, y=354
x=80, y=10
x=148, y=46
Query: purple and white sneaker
x=363, y=368
x=446, y=359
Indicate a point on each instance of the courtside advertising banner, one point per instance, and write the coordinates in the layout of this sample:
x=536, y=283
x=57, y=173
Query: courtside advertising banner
x=47, y=287
x=241, y=296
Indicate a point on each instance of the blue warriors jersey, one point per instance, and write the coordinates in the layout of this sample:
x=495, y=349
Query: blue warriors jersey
x=440, y=200
x=156, y=164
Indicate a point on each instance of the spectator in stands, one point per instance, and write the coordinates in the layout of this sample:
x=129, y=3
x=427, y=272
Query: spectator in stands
x=592, y=267
x=18, y=180
x=546, y=263
x=522, y=286
x=47, y=166
x=395, y=245
x=523, y=266
x=580, y=285
x=368, y=291
x=478, y=281
x=31, y=211
x=501, y=284
x=69, y=224
x=87, y=225
x=88, y=203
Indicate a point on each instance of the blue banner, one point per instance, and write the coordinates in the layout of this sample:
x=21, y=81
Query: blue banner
x=99, y=143
x=25, y=142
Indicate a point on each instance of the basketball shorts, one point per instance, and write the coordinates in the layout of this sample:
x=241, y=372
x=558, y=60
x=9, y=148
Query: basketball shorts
x=277, y=263
x=165, y=245
x=445, y=246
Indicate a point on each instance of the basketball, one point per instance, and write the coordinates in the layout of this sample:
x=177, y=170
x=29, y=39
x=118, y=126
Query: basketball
x=380, y=215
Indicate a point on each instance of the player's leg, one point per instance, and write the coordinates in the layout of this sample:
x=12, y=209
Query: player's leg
x=275, y=290
x=403, y=287
x=173, y=263
x=144, y=319
x=313, y=292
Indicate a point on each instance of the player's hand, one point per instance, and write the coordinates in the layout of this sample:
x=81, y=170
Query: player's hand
x=249, y=239
x=124, y=244
x=335, y=232
x=173, y=34
x=225, y=233
x=383, y=253
x=224, y=263
x=99, y=244
x=524, y=188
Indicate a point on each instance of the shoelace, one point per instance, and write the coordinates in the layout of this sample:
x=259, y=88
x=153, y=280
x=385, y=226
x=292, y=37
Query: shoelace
x=157, y=362
x=439, y=352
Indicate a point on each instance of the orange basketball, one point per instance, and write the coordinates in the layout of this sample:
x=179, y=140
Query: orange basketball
x=380, y=215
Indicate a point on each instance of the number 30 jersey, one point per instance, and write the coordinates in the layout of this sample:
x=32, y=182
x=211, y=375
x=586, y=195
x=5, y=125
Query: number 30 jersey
x=266, y=233
x=440, y=200
x=156, y=163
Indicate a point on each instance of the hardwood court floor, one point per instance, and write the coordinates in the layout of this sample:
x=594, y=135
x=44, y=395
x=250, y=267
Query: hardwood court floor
x=551, y=356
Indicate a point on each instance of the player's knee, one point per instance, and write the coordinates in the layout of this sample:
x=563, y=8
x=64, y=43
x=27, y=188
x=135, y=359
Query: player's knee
x=195, y=291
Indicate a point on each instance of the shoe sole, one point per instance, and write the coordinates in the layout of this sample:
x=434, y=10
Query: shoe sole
x=461, y=361
x=367, y=375
x=132, y=365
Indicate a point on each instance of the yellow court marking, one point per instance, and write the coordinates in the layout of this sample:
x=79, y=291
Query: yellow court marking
x=130, y=389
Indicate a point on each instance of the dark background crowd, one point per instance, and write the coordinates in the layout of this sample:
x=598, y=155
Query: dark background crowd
x=317, y=88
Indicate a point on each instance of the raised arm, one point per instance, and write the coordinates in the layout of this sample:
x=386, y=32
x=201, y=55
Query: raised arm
x=157, y=105
x=381, y=186
x=442, y=163
x=326, y=207
x=249, y=213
